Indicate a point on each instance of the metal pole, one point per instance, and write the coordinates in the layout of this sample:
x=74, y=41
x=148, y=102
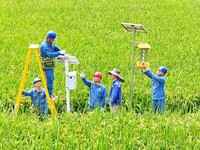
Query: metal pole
x=67, y=89
x=132, y=67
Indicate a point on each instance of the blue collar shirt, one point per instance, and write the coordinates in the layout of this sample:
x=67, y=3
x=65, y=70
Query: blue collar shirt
x=49, y=50
x=97, y=96
x=38, y=99
x=115, y=97
x=158, y=83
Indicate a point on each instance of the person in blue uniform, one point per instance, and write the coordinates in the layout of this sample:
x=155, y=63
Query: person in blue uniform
x=38, y=97
x=97, y=98
x=49, y=51
x=158, y=92
x=115, y=97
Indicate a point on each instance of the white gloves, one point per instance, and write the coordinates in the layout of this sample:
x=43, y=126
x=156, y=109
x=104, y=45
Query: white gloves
x=62, y=52
x=82, y=75
x=144, y=70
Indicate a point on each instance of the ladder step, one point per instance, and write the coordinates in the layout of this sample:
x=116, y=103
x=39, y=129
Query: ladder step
x=34, y=46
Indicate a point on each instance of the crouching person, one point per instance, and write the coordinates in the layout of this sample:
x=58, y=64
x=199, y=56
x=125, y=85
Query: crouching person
x=97, y=98
x=38, y=97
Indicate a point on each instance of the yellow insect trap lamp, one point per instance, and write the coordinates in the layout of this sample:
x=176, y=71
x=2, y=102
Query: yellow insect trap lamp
x=143, y=47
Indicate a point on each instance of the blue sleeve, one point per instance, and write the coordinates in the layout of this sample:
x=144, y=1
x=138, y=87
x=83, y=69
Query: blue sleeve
x=51, y=54
x=113, y=95
x=88, y=83
x=56, y=48
x=25, y=93
x=104, y=98
x=43, y=90
x=155, y=77
x=45, y=51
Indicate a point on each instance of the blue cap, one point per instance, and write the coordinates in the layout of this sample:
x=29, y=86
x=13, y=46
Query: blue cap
x=163, y=69
x=36, y=80
x=51, y=35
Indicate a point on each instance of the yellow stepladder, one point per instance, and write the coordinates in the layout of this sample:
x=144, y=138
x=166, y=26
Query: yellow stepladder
x=34, y=47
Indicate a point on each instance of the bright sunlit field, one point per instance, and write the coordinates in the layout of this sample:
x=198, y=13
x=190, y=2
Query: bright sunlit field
x=91, y=30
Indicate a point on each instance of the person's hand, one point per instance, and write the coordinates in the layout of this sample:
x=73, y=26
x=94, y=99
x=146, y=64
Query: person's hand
x=23, y=91
x=62, y=52
x=144, y=70
x=143, y=66
x=82, y=75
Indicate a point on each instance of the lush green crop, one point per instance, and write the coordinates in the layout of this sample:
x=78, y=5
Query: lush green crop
x=98, y=130
x=91, y=30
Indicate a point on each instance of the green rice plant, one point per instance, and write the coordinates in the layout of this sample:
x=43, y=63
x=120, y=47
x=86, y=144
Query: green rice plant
x=92, y=31
x=101, y=130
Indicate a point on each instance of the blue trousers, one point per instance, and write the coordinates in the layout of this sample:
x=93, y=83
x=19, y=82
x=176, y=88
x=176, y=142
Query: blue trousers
x=158, y=105
x=50, y=78
x=90, y=108
x=44, y=109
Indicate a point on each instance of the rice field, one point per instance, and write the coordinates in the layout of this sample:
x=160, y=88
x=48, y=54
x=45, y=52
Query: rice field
x=91, y=30
x=98, y=130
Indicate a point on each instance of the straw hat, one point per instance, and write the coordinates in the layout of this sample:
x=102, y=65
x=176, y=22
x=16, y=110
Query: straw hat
x=116, y=72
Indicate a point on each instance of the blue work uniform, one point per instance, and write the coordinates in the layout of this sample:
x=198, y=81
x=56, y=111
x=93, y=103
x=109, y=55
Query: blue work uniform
x=97, y=96
x=49, y=50
x=158, y=92
x=115, y=97
x=38, y=99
